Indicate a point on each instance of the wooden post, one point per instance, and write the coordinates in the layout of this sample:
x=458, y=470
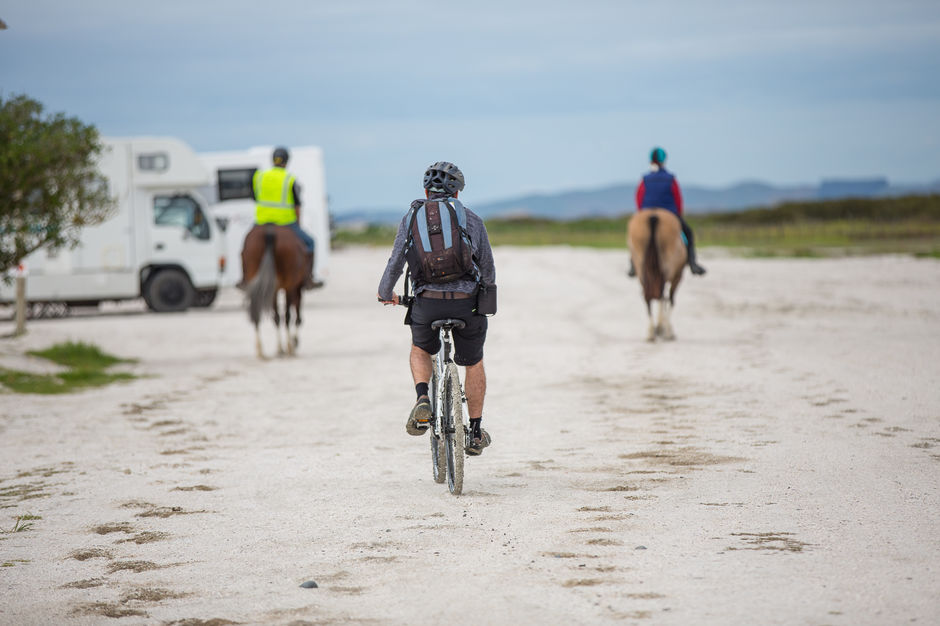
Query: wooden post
x=20, y=305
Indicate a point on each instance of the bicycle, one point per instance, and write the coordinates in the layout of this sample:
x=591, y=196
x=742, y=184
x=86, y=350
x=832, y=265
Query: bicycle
x=448, y=432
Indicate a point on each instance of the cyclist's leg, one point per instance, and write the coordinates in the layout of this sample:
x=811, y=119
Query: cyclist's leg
x=420, y=361
x=468, y=351
x=475, y=388
x=424, y=342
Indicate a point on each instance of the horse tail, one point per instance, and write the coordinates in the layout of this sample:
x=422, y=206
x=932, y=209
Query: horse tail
x=263, y=286
x=653, y=280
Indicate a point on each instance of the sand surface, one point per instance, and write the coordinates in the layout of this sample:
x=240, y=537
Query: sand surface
x=778, y=463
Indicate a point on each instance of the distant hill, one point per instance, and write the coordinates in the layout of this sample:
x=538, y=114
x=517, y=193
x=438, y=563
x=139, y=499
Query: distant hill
x=619, y=199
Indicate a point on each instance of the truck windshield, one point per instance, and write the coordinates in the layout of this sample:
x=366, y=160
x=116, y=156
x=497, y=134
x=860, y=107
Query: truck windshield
x=180, y=211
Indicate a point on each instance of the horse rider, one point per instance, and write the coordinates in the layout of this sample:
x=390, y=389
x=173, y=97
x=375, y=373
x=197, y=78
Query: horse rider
x=277, y=194
x=455, y=298
x=660, y=190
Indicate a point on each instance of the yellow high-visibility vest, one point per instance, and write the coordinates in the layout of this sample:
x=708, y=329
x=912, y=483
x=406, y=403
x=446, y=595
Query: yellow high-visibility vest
x=274, y=194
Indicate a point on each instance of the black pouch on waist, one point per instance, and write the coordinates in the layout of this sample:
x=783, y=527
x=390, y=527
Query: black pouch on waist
x=486, y=299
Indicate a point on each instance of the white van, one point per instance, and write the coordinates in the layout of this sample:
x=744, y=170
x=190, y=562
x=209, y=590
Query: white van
x=159, y=243
x=230, y=200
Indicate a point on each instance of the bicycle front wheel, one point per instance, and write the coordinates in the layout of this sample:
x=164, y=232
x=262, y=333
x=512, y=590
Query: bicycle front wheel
x=438, y=464
x=454, y=435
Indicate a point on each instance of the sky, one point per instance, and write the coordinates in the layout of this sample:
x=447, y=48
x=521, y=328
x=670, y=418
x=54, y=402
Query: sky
x=524, y=96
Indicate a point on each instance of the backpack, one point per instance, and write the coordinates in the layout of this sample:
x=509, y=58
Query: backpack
x=438, y=247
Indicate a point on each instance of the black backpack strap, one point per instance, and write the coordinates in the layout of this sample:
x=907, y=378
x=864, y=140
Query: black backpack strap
x=411, y=220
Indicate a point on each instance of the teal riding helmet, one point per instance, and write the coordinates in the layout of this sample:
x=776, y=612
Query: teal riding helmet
x=658, y=155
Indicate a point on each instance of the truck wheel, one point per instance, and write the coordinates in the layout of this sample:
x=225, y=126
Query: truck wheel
x=205, y=297
x=168, y=291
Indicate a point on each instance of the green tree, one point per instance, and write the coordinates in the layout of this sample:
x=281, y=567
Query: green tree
x=50, y=186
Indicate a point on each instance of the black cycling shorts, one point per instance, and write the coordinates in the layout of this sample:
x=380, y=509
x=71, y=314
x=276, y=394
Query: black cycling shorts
x=468, y=341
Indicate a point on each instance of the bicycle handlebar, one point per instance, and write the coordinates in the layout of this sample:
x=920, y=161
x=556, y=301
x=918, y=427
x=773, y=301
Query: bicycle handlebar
x=402, y=300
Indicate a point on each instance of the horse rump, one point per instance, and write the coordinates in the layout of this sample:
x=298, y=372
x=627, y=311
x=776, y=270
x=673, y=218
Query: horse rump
x=263, y=286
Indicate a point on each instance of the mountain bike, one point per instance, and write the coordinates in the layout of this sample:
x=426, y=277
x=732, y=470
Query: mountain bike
x=448, y=431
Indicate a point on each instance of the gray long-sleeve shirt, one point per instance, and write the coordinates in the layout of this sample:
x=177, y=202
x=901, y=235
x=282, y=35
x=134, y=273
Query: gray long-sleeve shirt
x=482, y=254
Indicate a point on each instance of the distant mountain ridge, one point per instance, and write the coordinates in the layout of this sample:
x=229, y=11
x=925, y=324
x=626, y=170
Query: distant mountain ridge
x=619, y=199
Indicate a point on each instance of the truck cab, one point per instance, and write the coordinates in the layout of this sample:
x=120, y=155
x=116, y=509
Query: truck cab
x=158, y=243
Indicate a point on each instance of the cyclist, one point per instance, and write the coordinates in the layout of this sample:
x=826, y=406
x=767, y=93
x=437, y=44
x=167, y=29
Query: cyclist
x=660, y=189
x=434, y=300
x=277, y=194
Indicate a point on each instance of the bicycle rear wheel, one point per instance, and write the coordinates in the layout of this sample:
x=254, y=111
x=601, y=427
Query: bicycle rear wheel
x=437, y=444
x=454, y=436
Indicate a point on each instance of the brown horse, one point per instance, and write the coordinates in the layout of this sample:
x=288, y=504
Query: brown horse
x=274, y=259
x=659, y=255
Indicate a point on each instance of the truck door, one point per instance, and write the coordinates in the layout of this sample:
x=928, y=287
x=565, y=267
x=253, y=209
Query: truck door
x=182, y=235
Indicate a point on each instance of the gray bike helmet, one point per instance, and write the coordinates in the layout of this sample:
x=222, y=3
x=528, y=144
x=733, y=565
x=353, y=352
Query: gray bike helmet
x=280, y=156
x=443, y=176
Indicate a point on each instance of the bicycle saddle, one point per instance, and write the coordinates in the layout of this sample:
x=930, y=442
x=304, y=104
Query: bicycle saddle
x=448, y=323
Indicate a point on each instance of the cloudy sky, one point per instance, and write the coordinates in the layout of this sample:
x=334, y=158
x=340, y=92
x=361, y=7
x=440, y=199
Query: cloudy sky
x=524, y=96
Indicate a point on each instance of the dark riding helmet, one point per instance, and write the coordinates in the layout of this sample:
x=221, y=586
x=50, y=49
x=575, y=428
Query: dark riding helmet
x=658, y=156
x=280, y=156
x=443, y=176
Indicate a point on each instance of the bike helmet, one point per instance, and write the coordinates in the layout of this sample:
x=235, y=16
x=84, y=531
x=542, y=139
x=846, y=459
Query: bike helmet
x=280, y=156
x=443, y=176
x=658, y=156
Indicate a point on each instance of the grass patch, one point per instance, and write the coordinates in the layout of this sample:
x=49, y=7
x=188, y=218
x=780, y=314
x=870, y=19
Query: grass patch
x=79, y=355
x=86, y=364
x=23, y=522
x=854, y=226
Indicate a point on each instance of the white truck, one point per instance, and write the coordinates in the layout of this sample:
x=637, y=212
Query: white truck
x=230, y=200
x=160, y=242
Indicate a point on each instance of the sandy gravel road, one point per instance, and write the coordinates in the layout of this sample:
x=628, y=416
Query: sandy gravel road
x=778, y=464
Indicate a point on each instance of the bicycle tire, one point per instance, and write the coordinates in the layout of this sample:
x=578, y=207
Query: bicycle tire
x=454, y=436
x=438, y=464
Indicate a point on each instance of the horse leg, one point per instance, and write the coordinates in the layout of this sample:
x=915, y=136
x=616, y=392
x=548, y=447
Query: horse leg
x=289, y=298
x=661, y=317
x=673, y=284
x=651, y=333
x=277, y=326
x=258, y=343
x=666, y=323
x=298, y=296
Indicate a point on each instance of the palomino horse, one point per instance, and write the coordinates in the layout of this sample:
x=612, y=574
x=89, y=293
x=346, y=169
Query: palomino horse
x=273, y=259
x=659, y=255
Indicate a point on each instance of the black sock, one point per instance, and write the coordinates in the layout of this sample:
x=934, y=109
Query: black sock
x=475, y=426
x=421, y=389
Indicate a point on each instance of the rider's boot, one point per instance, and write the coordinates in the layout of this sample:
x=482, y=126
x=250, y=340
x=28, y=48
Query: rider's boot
x=479, y=438
x=308, y=276
x=632, y=271
x=697, y=269
x=420, y=417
